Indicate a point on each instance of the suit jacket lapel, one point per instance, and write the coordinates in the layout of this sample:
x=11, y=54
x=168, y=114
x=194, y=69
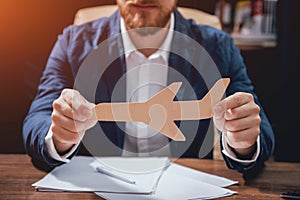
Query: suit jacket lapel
x=112, y=81
x=183, y=56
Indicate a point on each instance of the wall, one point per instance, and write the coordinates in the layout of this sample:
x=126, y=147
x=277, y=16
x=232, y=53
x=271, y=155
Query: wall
x=28, y=31
x=288, y=109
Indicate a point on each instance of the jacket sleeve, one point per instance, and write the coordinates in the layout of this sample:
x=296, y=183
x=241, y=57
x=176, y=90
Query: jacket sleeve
x=56, y=76
x=241, y=82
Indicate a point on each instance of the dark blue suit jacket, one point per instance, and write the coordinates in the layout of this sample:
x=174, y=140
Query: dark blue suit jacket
x=75, y=44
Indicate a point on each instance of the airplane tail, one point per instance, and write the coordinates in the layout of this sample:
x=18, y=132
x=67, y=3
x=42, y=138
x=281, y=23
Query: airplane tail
x=216, y=93
x=166, y=95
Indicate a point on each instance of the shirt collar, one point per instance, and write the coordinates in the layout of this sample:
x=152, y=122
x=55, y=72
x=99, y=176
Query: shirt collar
x=164, y=49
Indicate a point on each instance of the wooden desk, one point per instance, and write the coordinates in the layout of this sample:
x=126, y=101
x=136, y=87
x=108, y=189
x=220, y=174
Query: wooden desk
x=17, y=174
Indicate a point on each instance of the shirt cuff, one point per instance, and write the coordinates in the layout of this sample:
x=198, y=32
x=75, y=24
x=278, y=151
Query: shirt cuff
x=230, y=154
x=52, y=150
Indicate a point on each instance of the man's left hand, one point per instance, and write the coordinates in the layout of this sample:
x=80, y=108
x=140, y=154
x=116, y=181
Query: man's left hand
x=237, y=116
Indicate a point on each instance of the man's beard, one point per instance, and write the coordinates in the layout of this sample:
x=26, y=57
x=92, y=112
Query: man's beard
x=142, y=25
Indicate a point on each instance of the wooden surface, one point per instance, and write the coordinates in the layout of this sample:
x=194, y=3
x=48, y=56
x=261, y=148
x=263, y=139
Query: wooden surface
x=17, y=174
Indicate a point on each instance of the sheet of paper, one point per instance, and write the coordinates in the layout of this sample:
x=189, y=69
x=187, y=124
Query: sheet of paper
x=179, y=182
x=200, y=176
x=80, y=175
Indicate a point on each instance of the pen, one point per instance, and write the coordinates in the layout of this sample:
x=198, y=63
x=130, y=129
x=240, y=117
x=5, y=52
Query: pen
x=109, y=173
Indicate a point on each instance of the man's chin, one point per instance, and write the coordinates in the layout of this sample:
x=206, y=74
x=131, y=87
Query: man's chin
x=144, y=28
x=146, y=31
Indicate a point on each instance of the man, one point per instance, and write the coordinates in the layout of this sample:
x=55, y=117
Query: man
x=59, y=116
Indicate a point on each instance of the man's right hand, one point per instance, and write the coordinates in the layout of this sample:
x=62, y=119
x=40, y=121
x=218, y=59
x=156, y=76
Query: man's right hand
x=72, y=115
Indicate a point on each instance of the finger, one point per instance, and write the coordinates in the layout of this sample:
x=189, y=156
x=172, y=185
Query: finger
x=80, y=106
x=65, y=109
x=243, y=111
x=74, y=99
x=219, y=111
x=64, y=136
x=67, y=123
x=235, y=100
x=242, y=123
x=242, y=139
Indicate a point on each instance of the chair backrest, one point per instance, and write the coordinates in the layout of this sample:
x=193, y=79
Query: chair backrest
x=88, y=14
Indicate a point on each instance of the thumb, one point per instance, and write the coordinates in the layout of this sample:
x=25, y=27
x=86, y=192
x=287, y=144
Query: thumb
x=219, y=110
x=88, y=110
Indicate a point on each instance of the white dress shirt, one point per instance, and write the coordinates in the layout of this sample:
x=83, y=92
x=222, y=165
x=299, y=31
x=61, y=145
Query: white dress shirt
x=145, y=77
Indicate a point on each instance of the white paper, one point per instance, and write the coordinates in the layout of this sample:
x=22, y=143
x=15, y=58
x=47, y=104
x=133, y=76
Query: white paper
x=200, y=176
x=179, y=182
x=153, y=179
x=80, y=175
x=180, y=189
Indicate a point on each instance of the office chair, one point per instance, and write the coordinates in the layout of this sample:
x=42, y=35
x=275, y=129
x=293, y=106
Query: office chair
x=88, y=14
x=91, y=13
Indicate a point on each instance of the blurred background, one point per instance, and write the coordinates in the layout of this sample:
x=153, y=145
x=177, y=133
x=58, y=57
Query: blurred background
x=29, y=29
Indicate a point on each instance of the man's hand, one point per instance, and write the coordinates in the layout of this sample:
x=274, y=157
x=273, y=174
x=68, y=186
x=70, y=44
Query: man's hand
x=72, y=115
x=237, y=116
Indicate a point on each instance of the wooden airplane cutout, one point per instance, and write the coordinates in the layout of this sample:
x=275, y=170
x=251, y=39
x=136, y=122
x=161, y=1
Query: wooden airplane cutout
x=160, y=111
